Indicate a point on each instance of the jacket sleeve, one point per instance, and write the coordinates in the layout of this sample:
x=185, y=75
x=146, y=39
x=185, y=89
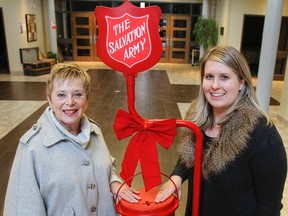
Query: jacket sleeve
x=269, y=170
x=23, y=197
x=181, y=170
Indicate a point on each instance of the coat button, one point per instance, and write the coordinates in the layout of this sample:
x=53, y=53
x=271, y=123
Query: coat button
x=93, y=209
x=91, y=186
x=86, y=163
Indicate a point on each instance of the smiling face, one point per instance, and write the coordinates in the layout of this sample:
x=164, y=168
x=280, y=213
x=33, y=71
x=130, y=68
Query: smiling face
x=68, y=100
x=220, y=86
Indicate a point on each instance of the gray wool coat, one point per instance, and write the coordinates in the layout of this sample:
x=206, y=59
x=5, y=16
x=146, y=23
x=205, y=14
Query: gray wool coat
x=52, y=175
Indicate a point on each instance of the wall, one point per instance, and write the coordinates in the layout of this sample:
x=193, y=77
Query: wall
x=230, y=15
x=284, y=101
x=13, y=12
x=220, y=11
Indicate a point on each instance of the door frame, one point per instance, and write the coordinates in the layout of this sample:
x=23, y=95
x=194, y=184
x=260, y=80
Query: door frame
x=91, y=37
x=169, y=39
x=252, y=53
x=4, y=51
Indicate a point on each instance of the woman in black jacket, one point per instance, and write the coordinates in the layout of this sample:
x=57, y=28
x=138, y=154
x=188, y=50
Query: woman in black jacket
x=244, y=163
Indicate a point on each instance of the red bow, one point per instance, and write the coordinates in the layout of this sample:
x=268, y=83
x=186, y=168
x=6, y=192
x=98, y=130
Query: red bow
x=142, y=145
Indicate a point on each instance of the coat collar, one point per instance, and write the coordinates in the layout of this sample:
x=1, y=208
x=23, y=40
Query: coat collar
x=51, y=135
x=224, y=149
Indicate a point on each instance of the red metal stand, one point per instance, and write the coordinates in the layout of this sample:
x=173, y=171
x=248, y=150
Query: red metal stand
x=130, y=83
x=129, y=41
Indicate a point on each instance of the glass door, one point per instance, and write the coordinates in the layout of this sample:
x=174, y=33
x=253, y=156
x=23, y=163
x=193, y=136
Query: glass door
x=84, y=36
x=175, y=36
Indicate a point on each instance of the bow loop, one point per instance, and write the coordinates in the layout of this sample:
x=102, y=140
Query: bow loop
x=125, y=124
x=142, y=146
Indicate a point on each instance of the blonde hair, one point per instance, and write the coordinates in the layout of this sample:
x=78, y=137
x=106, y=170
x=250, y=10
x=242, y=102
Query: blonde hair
x=68, y=71
x=233, y=59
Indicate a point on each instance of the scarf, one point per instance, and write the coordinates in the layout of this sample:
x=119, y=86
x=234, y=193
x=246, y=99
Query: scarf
x=224, y=149
x=82, y=138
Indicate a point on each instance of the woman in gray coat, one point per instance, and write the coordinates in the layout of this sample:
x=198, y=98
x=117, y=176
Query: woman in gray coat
x=62, y=165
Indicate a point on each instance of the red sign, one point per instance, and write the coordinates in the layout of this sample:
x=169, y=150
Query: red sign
x=128, y=37
x=128, y=40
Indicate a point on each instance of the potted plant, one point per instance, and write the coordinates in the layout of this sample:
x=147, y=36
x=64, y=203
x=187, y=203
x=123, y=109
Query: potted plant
x=206, y=32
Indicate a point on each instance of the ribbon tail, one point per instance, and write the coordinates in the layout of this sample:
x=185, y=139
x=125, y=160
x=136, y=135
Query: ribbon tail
x=130, y=160
x=150, y=165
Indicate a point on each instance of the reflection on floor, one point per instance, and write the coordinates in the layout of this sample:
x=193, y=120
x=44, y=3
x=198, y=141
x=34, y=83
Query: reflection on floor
x=158, y=95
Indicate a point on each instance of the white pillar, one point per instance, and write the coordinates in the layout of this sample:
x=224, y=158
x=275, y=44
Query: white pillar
x=52, y=32
x=64, y=18
x=268, y=53
x=205, y=14
x=205, y=9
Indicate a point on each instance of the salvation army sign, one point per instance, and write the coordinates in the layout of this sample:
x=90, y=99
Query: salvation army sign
x=128, y=40
x=128, y=37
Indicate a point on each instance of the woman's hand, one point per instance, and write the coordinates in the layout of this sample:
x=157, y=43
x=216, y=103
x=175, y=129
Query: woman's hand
x=168, y=189
x=126, y=193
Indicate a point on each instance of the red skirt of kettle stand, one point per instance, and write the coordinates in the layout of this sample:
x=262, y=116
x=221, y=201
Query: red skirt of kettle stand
x=147, y=206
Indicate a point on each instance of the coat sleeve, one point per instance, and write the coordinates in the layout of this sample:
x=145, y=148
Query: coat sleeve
x=114, y=176
x=269, y=169
x=23, y=197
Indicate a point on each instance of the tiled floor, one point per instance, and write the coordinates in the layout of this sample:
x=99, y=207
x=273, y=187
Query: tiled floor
x=13, y=112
